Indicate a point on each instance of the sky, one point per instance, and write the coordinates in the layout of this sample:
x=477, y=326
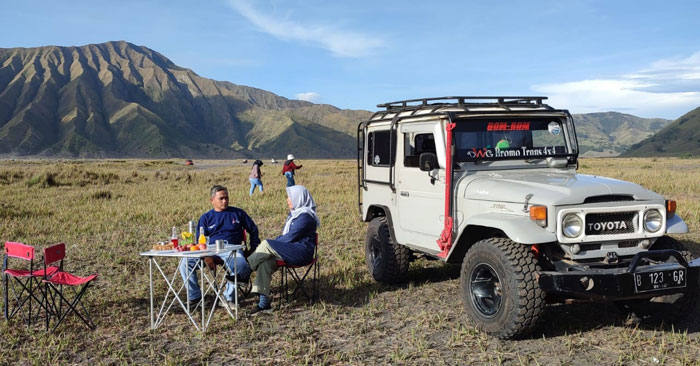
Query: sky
x=638, y=57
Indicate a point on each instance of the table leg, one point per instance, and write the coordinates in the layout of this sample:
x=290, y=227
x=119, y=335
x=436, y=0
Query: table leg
x=163, y=310
x=201, y=286
x=235, y=280
x=150, y=281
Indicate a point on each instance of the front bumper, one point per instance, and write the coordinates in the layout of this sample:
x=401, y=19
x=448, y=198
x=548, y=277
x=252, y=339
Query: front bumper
x=619, y=283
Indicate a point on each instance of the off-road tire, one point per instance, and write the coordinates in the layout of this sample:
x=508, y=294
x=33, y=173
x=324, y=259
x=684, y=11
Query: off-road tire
x=668, y=309
x=387, y=261
x=512, y=288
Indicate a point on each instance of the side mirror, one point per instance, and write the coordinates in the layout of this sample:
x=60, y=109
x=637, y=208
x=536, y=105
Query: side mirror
x=427, y=161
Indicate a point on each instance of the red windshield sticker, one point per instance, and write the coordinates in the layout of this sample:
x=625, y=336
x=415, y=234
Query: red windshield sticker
x=508, y=126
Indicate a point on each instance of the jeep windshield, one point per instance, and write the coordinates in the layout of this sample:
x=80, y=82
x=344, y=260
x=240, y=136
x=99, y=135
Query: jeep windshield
x=512, y=139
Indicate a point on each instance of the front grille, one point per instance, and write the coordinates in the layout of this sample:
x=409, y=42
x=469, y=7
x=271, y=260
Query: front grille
x=610, y=223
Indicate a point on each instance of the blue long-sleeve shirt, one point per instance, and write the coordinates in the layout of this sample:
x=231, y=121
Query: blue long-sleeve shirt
x=228, y=225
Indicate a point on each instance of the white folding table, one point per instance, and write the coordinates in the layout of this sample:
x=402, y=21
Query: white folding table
x=214, y=282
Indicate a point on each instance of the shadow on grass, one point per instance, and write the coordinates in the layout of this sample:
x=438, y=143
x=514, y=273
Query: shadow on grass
x=332, y=293
x=564, y=319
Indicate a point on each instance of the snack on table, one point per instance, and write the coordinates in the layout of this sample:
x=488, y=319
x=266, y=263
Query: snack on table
x=162, y=245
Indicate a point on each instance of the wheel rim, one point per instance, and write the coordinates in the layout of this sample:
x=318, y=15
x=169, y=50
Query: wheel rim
x=375, y=254
x=485, y=289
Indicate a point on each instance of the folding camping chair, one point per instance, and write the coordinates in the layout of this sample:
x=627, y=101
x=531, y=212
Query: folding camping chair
x=26, y=285
x=54, y=288
x=290, y=271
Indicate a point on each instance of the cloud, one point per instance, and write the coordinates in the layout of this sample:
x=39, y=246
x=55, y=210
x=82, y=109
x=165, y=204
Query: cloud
x=339, y=42
x=312, y=97
x=667, y=88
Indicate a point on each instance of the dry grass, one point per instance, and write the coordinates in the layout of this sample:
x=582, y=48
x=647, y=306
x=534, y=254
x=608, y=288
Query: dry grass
x=108, y=211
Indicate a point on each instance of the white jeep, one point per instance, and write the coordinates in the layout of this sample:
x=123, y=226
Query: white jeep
x=491, y=182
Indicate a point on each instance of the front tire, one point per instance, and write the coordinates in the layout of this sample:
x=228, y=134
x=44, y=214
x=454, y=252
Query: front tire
x=667, y=309
x=499, y=288
x=387, y=260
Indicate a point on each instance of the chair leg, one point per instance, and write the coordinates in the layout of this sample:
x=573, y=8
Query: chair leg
x=316, y=292
x=72, y=308
x=6, y=298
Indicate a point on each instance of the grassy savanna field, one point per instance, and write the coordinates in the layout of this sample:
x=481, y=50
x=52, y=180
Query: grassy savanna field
x=107, y=211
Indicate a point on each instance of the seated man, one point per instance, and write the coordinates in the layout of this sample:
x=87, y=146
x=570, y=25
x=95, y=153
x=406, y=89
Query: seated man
x=226, y=223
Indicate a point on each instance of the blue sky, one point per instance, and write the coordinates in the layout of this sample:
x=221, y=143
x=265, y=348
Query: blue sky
x=640, y=57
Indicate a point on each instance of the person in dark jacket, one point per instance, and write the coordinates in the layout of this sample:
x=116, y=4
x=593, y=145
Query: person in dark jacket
x=288, y=169
x=295, y=246
x=256, y=177
x=227, y=223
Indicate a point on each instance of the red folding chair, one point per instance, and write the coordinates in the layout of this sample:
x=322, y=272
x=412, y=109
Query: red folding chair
x=54, y=289
x=290, y=271
x=26, y=282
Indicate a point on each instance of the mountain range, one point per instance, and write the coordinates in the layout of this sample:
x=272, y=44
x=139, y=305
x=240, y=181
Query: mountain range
x=117, y=99
x=611, y=133
x=680, y=138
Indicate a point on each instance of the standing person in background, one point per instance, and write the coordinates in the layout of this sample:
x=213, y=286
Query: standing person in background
x=288, y=170
x=256, y=177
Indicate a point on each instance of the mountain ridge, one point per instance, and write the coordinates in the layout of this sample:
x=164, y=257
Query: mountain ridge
x=116, y=99
x=679, y=138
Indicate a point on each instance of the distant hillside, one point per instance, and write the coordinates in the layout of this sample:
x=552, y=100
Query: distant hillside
x=116, y=99
x=680, y=138
x=611, y=133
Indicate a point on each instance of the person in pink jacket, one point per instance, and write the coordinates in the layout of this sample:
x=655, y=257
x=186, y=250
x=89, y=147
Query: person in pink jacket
x=256, y=177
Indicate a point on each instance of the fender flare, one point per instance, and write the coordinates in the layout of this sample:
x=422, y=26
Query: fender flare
x=676, y=225
x=387, y=213
x=519, y=229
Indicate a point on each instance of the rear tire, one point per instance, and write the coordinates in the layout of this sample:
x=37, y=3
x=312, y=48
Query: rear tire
x=667, y=309
x=387, y=260
x=499, y=288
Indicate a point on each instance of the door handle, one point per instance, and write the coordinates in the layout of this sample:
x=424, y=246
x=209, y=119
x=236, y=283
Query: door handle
x=404, y=194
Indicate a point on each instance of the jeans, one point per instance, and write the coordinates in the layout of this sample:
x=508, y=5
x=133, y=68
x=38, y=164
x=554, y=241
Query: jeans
x=290, y=178
x=255, y=182
x=187, y=264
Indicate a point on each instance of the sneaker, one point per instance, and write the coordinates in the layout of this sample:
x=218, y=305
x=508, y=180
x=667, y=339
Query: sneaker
x=258, y=310
x=194, y=302
x=230, y=278
x=231, y=305
x=227, y=304
x=244, y=289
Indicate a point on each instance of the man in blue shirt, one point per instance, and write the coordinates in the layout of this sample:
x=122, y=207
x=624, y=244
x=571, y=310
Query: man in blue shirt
x=222, y=222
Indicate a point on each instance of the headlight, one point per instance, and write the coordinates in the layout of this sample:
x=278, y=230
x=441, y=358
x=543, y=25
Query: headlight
x=653, y=220
x=571, y=225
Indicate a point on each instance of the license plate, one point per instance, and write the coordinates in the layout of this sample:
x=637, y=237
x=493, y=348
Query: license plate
x=659, y=280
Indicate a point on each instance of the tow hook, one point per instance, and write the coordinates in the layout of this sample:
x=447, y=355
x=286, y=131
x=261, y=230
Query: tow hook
x=611, y=258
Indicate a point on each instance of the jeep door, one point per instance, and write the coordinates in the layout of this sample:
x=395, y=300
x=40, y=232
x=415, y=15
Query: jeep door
x=420, y=193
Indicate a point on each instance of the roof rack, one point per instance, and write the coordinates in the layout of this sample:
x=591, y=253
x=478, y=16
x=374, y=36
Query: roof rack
x=465, y=102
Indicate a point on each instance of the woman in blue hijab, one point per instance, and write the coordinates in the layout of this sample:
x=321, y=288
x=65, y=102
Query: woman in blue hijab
x=295, y=246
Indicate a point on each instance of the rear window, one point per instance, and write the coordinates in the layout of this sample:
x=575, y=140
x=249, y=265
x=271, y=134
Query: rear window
x=379, y=148
x=515, y=138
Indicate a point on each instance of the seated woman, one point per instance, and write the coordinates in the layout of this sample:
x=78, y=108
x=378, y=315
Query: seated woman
x=295, y=246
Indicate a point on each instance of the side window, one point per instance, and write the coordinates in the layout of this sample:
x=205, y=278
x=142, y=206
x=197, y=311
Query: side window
x=378, y=153
x=416, y=144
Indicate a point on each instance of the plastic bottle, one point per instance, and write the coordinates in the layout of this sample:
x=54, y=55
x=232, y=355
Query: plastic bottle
x=202, y=239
